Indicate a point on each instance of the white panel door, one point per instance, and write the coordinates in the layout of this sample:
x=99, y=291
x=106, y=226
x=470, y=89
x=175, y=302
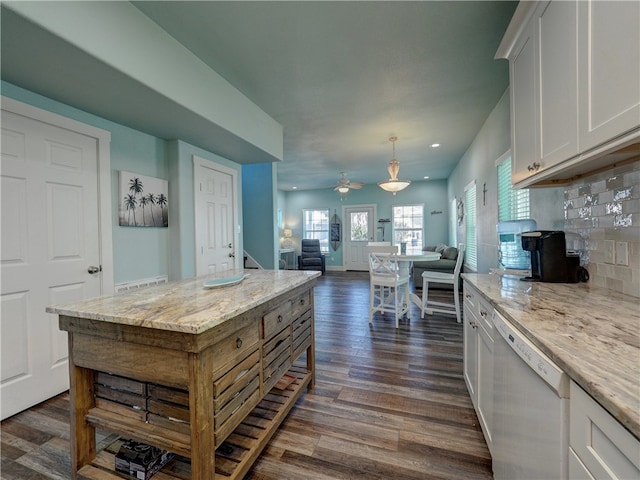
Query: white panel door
x=359, y=229
x=50, y=238
x=216, y=216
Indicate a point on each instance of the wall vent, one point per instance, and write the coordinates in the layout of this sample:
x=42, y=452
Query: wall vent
x=138, y=284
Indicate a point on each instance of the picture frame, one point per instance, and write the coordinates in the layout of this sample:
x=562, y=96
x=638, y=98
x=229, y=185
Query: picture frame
x=143, y=201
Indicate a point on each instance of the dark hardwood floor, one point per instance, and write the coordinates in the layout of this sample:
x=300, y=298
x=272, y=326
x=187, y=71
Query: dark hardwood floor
x=388, y=404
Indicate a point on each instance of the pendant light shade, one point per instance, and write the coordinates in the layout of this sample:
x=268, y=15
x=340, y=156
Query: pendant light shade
x=394, y=185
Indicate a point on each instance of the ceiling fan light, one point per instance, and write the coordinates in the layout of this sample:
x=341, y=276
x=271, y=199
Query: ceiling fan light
x=343, y=189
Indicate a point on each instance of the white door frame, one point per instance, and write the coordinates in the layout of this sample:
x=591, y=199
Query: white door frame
x=103, y=141
x=345, y=223
x=199, y=161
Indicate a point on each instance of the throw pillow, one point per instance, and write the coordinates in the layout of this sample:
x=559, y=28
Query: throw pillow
x=440, y=248
x=450, y=253
x=430, y=248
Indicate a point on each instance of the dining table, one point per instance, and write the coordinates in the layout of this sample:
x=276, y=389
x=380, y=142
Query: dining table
x=404, y=265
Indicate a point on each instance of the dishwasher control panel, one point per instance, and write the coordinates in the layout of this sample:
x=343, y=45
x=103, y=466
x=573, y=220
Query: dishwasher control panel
x=532, y=356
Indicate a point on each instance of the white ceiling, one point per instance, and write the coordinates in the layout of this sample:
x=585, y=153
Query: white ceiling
x=341, y=78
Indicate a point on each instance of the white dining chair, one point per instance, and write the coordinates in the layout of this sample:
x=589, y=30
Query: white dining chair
x=388, y=290
x=431, y=306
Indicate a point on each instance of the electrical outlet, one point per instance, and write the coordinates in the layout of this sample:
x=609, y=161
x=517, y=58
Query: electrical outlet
x=610, y=251
x=622, y=253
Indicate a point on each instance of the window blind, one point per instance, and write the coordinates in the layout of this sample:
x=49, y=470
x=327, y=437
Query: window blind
x=512, y=204
x=471, y=248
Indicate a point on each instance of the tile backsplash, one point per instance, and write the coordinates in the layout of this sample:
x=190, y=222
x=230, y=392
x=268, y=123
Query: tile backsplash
x=601, y=217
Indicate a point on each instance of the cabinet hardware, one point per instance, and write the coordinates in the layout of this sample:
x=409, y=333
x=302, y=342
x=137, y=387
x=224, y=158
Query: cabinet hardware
x=534, y=167
x=92, y=270
x=238, y=342
x=280, y=319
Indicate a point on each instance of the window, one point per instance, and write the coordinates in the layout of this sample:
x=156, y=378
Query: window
x=315, y=224
x=512, y=204
x=408, y=222
x=471, y=248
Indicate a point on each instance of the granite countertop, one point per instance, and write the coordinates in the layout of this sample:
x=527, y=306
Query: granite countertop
x=592, y=333
x=185, y=305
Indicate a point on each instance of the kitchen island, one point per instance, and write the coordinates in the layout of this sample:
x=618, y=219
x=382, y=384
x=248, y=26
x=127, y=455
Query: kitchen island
x=591, y=333
x=189, y=369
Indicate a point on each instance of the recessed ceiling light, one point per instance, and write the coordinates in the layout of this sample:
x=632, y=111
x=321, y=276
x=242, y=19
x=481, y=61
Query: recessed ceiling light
x=294, y=188
x=435, y=145
x=425, y=177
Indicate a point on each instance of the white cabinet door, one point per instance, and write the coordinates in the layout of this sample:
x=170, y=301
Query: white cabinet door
x=470, y=341
x=557, y=83
x=484, y=389
x=523, y=106
x=609, y=63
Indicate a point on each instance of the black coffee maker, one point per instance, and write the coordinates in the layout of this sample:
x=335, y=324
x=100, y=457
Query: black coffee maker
x=549, y=259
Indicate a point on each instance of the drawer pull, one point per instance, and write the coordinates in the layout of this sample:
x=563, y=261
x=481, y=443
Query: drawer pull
x=468, y=295
x=278, y=344
x=280, y=318
x=302, y=301
x=238, y=342
x=483, y=314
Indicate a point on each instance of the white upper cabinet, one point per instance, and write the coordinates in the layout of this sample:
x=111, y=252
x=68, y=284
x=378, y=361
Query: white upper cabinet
x=575, y=86
x=609, y=60
x=557, y=76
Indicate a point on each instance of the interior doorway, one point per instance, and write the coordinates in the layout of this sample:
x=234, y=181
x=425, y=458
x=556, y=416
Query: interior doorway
x=215, y=188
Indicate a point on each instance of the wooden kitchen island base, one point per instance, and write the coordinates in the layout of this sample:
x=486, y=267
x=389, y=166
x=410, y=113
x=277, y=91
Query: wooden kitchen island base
x=238, y=452
x=208, y=375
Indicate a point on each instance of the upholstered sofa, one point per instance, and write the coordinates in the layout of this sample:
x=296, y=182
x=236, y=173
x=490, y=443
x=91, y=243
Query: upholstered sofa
x=447, y=264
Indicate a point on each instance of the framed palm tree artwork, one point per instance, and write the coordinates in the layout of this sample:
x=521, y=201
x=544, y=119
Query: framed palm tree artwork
x=143, y=201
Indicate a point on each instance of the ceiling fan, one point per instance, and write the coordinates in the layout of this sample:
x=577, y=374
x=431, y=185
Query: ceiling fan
x=344, y=184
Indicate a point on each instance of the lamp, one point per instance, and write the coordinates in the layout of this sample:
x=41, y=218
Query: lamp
x=394, y=185
x=287, y=235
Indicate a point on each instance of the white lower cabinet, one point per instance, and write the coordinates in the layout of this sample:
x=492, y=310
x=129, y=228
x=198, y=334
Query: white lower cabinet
x=478, y=357
x=600, y=447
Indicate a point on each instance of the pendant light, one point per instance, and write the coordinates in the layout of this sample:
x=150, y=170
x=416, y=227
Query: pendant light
x=394, y=185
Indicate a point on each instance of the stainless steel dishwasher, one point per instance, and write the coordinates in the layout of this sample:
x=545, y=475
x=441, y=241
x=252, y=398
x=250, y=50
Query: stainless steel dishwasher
x=531, y=410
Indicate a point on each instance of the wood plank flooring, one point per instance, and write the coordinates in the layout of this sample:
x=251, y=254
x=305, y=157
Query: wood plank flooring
x=388, y=404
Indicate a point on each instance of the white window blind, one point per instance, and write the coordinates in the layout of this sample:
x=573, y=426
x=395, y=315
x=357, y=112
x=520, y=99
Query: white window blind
x=453, y=222
x=512, y=204
x=316, y=225
x=471, y=248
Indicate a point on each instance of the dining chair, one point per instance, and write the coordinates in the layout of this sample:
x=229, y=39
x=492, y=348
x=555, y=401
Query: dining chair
x=431, y=306
x=388, y=290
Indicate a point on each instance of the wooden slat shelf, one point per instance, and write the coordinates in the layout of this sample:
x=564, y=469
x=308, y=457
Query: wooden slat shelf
x=233, y=458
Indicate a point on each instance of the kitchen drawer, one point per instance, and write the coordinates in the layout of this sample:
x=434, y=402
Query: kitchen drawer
x=276, y=358
x=234, y=348
x=300, y=304
x=471, y=297
x=277, y=319
x=605, y=448
x=484, y=316
x=301, y=334
x=234, y=395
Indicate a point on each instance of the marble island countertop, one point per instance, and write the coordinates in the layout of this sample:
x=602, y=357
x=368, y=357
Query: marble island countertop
x=186, y=305
x=593, y=334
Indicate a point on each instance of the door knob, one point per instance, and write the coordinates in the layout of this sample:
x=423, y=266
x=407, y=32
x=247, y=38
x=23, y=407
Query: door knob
x=93, y=270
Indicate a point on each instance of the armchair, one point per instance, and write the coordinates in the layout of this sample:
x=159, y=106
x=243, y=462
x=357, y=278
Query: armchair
x=311, y=258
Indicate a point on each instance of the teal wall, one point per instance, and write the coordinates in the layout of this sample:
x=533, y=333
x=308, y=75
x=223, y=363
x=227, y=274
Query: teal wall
x=143, y=252
x=433, y=194
x=479, y=164
x=259, y=224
